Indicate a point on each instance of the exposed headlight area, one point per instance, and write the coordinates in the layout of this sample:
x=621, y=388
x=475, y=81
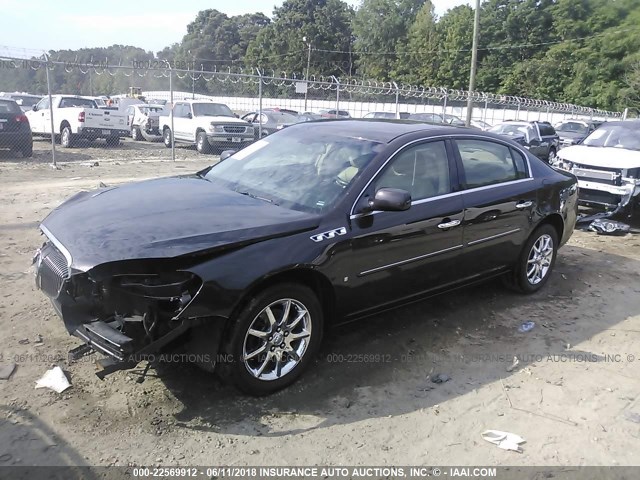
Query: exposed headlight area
x=216, y=128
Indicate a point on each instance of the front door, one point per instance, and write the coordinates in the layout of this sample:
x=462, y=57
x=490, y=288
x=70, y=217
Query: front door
x=396, y=255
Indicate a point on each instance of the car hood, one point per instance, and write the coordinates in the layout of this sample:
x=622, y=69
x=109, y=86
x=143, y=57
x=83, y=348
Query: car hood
x=604, y=157
x=164, y=218
x=222, y=119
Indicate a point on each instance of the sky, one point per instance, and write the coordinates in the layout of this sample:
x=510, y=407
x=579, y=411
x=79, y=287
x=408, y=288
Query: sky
x=37, y=25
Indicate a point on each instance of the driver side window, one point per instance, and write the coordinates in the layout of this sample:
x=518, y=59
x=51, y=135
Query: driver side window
x=43, y=104
x=421, y=170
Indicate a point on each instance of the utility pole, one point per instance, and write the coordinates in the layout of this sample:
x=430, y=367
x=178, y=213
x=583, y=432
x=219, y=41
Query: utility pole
x=474, y=62
x=306, y=90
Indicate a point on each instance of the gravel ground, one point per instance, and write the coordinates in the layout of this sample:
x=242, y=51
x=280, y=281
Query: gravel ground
x=367, y=400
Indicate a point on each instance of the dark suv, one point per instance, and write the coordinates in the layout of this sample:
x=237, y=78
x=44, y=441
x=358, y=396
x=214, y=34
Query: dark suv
x=540, y=138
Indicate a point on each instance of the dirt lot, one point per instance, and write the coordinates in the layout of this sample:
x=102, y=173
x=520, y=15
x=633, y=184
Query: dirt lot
x=574, y=396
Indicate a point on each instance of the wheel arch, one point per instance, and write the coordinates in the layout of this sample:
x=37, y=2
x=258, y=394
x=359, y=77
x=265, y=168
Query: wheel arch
x=556, y=221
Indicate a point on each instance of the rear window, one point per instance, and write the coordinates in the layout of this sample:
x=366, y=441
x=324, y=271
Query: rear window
x=546, y=130
x=9, y=106
x=69, y=102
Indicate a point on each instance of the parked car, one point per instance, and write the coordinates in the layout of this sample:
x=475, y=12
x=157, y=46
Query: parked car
x=444, y=119
x=278, y=109
x=332, y=113
x=77, y=117
x=144, y=121
x=607, y=164
x=15, y=132
x=388, y=115
x=481, y=124
x=309, y=117
x=538, y=137
x=572, y=132
x=250, y=260
x=269, y=121
x=206, y=124
x=25, y=101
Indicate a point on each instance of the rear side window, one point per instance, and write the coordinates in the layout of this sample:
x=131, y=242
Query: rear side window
x=546, y=130
x=489, y=163
x=10, y=107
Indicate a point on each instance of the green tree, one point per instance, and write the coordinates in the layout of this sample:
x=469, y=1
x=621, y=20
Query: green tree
x=455, y=31
x=381, y=28
x=326, y=25
x=417, y=61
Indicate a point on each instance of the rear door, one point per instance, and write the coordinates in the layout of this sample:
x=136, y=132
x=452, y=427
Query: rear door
x=397, y=255
x=39, y=119
x=499, y=197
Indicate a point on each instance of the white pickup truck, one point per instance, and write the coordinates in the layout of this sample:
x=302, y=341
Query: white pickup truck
x=77, y=117
x=206, y=124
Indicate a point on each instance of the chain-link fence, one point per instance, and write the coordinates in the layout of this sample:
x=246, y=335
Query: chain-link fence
x=63, y=95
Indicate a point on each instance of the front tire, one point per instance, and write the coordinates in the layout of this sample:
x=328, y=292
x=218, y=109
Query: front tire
x=275, y=338
x=536, y=261
x=202, y=143
x=136, y=134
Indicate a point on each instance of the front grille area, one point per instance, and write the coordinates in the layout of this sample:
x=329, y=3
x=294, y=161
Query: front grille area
x=234, y=129
x=597, y=197
x=608, y=176
x=53, y=270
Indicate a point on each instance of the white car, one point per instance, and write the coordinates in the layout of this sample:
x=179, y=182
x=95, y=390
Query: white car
x=76, y=117
x=607, y=165
x=144, y=121
x=206, y=124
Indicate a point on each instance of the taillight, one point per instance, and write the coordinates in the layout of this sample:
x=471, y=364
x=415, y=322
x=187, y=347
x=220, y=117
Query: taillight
x=81, y=117
x=22, y=119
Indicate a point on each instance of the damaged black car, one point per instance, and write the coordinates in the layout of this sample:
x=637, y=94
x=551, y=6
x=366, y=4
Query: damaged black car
x=246, y=263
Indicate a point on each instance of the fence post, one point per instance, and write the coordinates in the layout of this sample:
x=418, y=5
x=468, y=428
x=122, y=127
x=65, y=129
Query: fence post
x=337, y=96
x=53, y=135
x=260, y=102
x=518, y=112
x=173, y=141
x=397, y=100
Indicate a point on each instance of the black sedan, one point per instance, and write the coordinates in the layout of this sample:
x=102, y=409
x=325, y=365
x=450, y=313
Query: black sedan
x=246, y=263
x=15, y=132
x=270, y=121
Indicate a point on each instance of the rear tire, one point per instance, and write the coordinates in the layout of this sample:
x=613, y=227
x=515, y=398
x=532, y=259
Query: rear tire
x=166, y=137
x=27, y=150
x=272, y=344
x=536, y=261
x=66, y=138
x=136, y=134
x=202, y=143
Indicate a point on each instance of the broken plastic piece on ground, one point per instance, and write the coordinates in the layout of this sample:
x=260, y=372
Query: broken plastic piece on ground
x=7, y=370
x=513, y=366
x=440, y=378
x=504, y=440
x=55, y=379
x=609, y=227
x=526, y=327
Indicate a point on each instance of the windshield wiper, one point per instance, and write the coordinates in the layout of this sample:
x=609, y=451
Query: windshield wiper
x=254, y=196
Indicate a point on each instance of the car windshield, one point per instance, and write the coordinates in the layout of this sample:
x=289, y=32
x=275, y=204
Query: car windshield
x=509, y=129
x=297, y=168
x=619, y=136
x=212, y=110
x=572, y=127
x=148, y=110
x=426, y=117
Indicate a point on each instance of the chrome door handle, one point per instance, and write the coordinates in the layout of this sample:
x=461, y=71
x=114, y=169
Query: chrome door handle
x=451, y=224
x=522, y=205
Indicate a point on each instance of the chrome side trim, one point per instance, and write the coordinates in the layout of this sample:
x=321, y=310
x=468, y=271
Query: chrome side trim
x=503, y=234
x=435, y=139
x=58, y=245
x=409, y=260
x=446, y=195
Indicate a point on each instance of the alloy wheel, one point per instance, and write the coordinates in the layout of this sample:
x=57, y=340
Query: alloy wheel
x=539, y=260
x=277, y=339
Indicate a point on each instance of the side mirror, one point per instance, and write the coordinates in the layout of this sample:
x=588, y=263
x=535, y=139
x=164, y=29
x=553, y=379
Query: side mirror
x=390, y=200
x=226, y=154
x=189, y=115
x=34, y=108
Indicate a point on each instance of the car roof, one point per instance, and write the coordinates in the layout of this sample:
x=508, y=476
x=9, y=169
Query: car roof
x=635, y=123
x=379, y=129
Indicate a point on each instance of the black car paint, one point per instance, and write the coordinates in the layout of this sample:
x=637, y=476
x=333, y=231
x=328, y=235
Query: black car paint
x=358, y=263
x=15, y=132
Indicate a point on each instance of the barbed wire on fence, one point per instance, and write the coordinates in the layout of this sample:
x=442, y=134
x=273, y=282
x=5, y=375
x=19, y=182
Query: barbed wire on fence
x=243, y=76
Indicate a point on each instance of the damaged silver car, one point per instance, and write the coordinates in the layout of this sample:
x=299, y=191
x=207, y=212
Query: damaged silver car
x=607, y=165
